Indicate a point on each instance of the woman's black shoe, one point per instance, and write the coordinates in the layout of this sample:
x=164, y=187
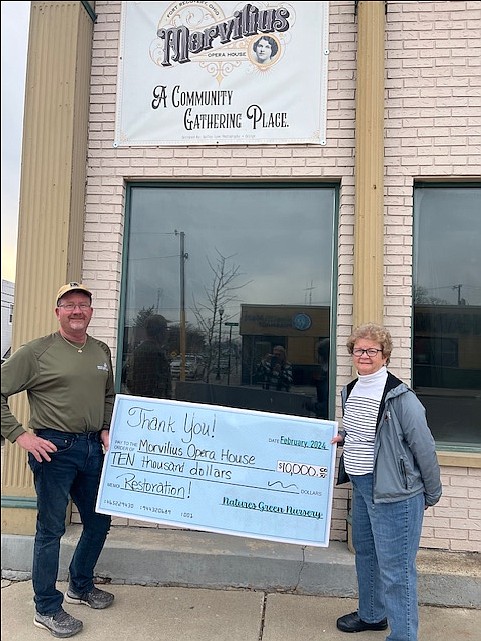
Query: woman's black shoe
x=352, y=623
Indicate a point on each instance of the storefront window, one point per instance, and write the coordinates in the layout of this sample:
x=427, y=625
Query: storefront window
x=447, y=311
x=243, y=275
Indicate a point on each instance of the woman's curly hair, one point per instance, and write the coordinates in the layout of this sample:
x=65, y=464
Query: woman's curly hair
x=373, y=332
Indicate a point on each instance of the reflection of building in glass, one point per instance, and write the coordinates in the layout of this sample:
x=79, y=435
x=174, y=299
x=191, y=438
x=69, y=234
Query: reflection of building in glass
x=298, y=328
x=447, y=347
x=447, y=369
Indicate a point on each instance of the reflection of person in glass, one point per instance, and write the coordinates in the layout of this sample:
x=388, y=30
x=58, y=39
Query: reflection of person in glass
x=275, y=370
x=148, y=369
x=322, y=380
x=266, y=49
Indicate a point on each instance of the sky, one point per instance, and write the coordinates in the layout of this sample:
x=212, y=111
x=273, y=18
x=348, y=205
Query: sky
x=15, y=22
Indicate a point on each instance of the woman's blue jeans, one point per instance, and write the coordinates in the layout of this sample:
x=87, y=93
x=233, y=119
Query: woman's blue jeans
x=385, y=538
x=74, y=471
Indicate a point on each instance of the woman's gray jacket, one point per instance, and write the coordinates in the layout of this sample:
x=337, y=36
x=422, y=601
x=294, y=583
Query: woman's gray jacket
x=405, y=461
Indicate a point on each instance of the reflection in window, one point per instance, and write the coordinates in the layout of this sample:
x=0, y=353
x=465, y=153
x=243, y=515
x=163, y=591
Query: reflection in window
x=243, y=275
x=442, y=352
x=447, y=311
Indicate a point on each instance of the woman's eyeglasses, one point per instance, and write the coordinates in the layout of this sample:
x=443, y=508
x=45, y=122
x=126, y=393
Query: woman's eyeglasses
x=370, y=352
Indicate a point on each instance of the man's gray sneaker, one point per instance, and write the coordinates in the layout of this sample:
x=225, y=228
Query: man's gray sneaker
x=60, y=624
x=96, y=599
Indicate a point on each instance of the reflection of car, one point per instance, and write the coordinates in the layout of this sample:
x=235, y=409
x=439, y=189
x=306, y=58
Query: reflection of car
x=194, y=366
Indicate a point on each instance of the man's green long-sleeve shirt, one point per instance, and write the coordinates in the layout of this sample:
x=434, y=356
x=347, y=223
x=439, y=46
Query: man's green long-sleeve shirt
x=67, y=390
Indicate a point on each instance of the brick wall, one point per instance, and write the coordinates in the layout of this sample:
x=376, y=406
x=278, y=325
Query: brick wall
x=432, y=125
x=455, y=522
x=432, y=131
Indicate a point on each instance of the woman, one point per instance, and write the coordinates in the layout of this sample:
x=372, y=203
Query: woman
x=389, y=456
x=265, y=49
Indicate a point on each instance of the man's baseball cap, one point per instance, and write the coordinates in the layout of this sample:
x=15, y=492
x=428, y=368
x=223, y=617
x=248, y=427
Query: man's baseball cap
x=72, y=287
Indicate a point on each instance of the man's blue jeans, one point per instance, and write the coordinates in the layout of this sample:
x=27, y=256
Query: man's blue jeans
x=74, y=471
x=385, y=538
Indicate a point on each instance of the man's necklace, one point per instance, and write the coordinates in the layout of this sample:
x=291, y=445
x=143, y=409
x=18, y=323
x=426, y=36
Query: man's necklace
x=79, y=349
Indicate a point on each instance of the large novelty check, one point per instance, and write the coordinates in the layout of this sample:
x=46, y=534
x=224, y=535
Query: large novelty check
x=218, y=469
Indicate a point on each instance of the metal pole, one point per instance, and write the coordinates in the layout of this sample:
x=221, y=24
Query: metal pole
x=230, y=326
x=183, y=257
x=230, y=346
x=458, y=287
x=221, y=313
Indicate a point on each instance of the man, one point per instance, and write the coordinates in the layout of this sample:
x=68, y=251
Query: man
x=148, y=368
x=69, y=383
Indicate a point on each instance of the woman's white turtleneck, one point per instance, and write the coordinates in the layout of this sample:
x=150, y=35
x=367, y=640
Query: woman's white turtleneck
x=360, y=421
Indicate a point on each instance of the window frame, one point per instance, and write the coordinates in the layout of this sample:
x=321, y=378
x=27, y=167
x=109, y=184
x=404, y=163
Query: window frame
x=442, y=445
x=320, y=184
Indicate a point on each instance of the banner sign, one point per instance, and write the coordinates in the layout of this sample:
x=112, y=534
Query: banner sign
x=222, y=73
x=218, y=469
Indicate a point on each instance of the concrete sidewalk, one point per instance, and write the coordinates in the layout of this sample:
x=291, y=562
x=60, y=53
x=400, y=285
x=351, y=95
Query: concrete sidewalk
x=142, y=613
x=183, y=558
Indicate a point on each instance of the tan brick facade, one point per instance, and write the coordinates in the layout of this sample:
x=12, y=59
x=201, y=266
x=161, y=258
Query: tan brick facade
x=432, y=131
